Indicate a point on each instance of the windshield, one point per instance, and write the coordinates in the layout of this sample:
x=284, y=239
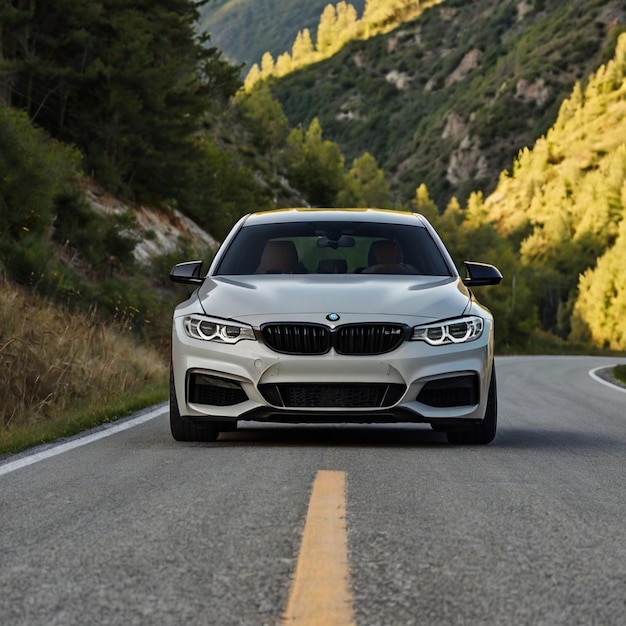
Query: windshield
x=333, y=248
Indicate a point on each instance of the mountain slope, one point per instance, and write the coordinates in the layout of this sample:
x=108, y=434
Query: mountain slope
x=567, y=197
x=555, y=225
x=449, y=98
x=245, y=29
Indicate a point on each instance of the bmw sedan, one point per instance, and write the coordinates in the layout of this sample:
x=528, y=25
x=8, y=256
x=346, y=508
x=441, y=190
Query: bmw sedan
x=340, y=315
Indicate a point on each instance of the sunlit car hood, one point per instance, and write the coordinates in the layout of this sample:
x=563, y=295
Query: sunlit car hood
x=260, y=299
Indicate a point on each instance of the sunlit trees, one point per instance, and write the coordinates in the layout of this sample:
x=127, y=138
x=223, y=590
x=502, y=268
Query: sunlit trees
x=378, y=13
x=599, y=314
x=338, y=25
x=422, y=203
x=303, y=49
x=562, y=205
x=267, y=64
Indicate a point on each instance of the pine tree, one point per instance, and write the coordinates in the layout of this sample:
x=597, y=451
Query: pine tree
x=267, y=65
x=302, y=51
x=126, y=83
x=326, y=32
x=15, y=44
x=283, y=64
x=423, y=204
x=365, y=185
x=315, y=165
x=346, y=24
x=252, y=77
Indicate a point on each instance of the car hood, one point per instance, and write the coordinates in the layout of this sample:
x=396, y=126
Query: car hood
x=355, y=298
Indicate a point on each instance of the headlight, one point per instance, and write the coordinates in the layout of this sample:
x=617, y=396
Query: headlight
x=460, y=330
x=212, y=329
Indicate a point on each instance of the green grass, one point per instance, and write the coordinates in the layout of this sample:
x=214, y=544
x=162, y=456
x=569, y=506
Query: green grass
x=18, y=437
x=619, y=372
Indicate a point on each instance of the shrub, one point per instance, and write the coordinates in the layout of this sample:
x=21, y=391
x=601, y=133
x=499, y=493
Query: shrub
x=33, y=171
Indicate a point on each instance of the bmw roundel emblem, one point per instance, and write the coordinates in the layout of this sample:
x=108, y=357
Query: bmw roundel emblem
x=332, y=317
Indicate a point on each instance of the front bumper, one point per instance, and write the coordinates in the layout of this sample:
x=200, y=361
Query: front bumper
x=414, y=383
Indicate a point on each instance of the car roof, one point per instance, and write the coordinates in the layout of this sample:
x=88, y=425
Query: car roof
x=386, y=216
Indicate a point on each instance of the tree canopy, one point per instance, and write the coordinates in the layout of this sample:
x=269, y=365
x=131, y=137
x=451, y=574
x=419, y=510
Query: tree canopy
x=126, y=81
x=338, y=25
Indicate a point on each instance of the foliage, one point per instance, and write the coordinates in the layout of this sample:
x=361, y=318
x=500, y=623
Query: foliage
x=554, y=225
x=246, y=29
x=105, y=242
x=422, y=203
x=365, y=185
x=312, y=165
x=449, y=98
x=315, y=165
x=470, y=236
x=338, y=25
x=265, y=118
x=55, y=243
x=230, y=191
x=128, y=86
x=619, y=371
x=53, y=362
x=34, y=170
x=599, y=314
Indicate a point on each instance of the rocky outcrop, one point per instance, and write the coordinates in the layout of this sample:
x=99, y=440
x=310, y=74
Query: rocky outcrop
x=161, y=230
x=467, y=162
x=468, y=63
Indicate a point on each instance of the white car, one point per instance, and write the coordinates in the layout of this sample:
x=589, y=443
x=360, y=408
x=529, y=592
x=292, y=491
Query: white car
x=338, y=315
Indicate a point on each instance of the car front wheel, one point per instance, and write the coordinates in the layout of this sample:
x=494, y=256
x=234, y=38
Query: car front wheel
x=484, y=432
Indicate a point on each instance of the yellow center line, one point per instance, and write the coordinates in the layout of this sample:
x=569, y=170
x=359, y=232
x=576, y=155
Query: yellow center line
x=320, y=593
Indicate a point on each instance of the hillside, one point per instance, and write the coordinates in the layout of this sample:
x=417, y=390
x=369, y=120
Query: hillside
x=566, y=200
x=450, y=98
x=555, y=224
x=245, y=29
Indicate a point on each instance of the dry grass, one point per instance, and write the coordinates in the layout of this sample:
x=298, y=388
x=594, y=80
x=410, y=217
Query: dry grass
x=54, y=363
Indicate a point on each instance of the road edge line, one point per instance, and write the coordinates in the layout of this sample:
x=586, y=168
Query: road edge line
x=61, y=448
x=599, y=379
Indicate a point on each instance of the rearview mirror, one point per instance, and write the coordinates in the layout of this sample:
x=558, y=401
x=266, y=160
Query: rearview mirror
x=481, y=274
x=343, y=242
x=188, y=273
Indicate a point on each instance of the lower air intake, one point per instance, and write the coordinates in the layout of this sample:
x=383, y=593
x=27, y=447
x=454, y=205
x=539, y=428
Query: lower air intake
x=215, y=391
x=449, y=392
x=332, y=395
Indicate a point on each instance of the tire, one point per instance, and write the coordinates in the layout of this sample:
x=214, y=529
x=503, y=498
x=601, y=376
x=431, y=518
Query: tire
x=485, y=432
x=185, y=429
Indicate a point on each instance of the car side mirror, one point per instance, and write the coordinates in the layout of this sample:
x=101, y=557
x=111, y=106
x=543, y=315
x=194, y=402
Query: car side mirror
x=481, y=274
x=188, y=273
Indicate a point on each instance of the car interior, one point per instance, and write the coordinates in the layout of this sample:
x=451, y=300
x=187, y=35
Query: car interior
x=318, y=249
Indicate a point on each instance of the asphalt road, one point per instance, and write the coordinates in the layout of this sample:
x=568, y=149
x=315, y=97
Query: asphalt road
x=135, y=528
